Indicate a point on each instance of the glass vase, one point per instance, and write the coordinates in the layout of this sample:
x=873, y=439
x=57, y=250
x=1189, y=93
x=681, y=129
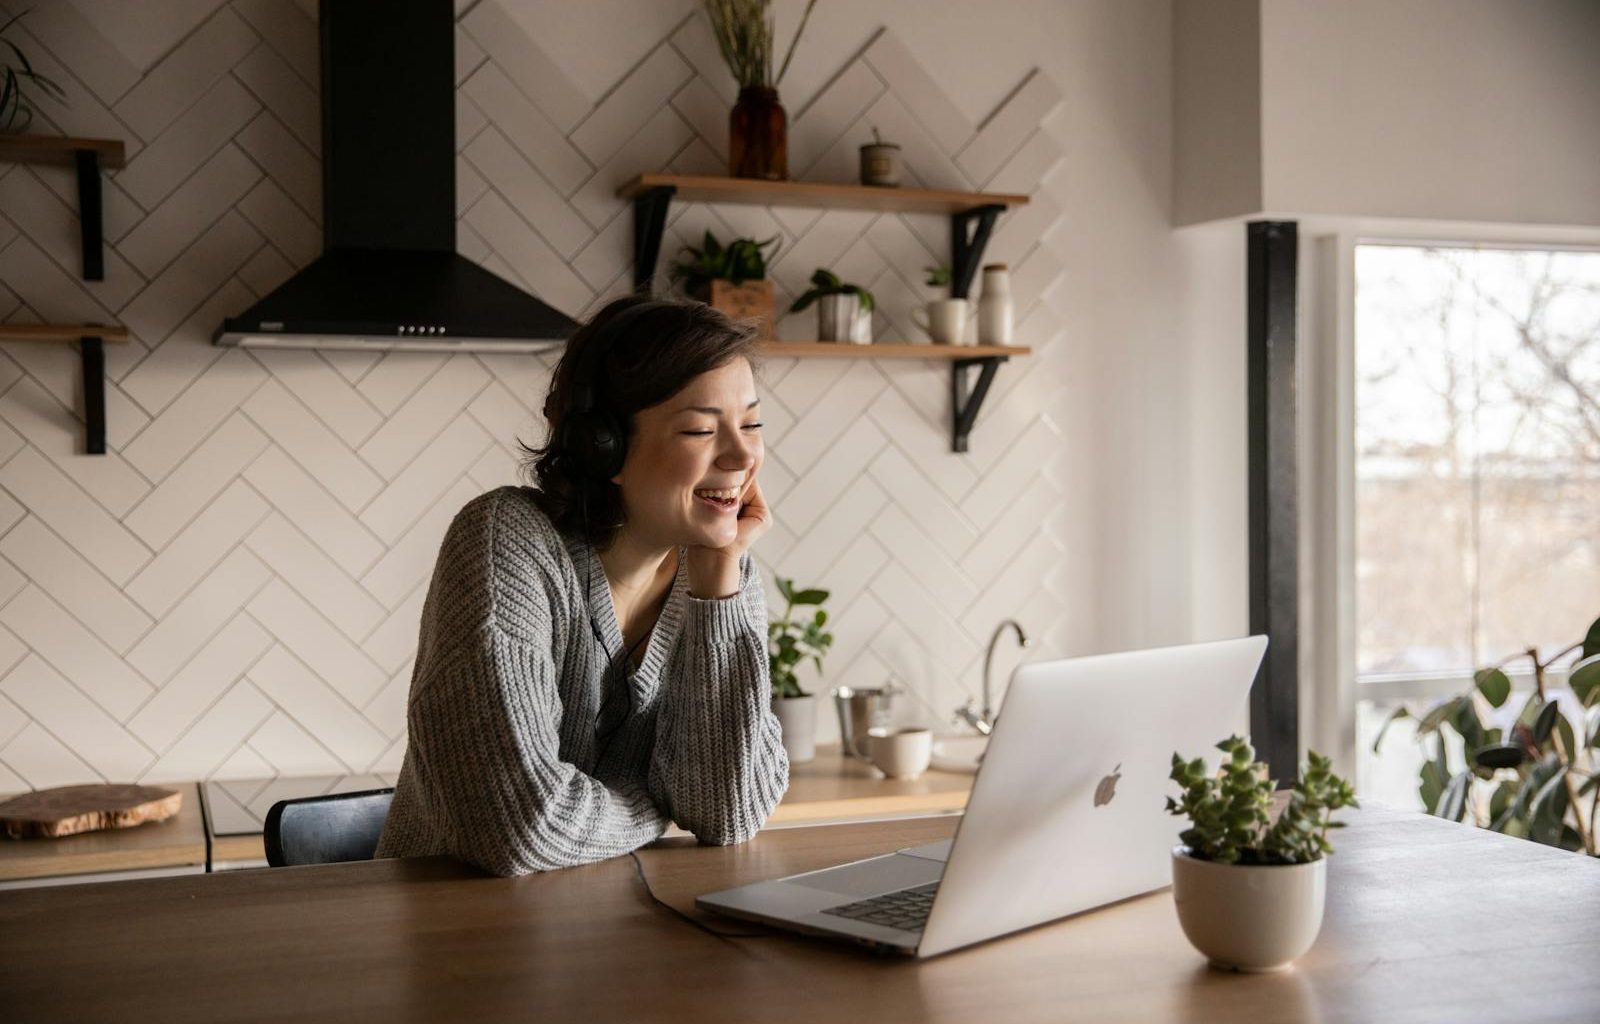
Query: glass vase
x=758, y=136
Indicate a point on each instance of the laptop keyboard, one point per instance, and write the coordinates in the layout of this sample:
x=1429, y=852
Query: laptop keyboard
x=907, y=908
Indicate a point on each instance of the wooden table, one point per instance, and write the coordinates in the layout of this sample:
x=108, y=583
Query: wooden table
x=1427, y=921
x=177, y=845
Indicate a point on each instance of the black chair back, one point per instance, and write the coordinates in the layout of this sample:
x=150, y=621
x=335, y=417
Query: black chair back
x=326, y=829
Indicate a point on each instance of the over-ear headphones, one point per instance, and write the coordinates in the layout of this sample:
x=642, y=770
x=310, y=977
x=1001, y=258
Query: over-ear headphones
x=593, y=438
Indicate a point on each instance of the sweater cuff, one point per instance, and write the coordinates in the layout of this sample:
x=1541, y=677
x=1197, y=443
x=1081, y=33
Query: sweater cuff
x=722, y=621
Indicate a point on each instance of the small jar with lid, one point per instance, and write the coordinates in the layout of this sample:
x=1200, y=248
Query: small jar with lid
x=994, y=306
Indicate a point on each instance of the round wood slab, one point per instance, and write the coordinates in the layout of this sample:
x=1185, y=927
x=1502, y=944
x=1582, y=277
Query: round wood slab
x=68, y=810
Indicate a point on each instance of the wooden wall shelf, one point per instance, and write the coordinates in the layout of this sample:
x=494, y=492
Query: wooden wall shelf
x=88, y=156
x=972, y=217
x=887, y=350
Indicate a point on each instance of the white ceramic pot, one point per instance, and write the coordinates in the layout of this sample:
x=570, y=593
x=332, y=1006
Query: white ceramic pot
x=798, y=716
x=838, y=317
x=1251, y=918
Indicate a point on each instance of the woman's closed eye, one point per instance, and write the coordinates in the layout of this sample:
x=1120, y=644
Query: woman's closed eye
x=708, y=433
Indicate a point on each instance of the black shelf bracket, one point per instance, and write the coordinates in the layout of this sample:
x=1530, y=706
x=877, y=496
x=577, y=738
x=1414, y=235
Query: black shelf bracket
x=964, y=404
x=94, y=394
x=649, y=222
x=94, y=255
x=969, y=233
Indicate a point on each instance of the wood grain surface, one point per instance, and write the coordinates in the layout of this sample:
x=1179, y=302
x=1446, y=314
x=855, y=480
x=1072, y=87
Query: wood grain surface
x=69, y=810
x=180, y=841
x=1427, y=921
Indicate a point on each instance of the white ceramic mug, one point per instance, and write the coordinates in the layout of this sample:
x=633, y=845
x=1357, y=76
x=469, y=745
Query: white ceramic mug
x=901, y=753
x=944, y=320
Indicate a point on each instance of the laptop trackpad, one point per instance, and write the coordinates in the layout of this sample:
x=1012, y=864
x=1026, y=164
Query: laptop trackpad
x=871, y=877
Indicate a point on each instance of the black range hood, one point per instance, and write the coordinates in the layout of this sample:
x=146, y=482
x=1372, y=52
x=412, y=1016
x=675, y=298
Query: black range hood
x=389, y=276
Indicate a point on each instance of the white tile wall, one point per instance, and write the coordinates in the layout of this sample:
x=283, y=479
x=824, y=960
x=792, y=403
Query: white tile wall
x=234, y=589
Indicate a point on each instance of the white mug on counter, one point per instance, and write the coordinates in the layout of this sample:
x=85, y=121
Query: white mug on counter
x=944, y=320
x=901, y=753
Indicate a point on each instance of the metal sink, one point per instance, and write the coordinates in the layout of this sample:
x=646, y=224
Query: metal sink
x=958, y=753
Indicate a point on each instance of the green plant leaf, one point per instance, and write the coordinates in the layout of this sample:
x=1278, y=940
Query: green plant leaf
x=1433, y=780
x=1499, y=755
x=1584, y=678
x=1436, y=716
x=1546, y=721
x=1394, y=716
x=811, y=597
x=1494, y=684
x=1591, y=640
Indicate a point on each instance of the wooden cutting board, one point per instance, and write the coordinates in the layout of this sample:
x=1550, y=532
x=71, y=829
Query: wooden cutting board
x=68, y=810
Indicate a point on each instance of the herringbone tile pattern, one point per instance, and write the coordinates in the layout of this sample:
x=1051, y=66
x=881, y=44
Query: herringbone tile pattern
x=234, y=589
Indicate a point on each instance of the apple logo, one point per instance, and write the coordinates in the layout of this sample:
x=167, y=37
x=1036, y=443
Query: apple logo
x=1107, y=790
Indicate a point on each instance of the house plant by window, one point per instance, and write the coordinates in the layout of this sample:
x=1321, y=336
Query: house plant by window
x=844, y=310
x=790, y=642
x=758, y=128
x=1250, y=889
x=1536, y=776
x=17, y=75
x=729, y=278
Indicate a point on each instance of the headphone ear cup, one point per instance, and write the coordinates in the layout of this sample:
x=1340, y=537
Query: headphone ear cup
x=596, y=443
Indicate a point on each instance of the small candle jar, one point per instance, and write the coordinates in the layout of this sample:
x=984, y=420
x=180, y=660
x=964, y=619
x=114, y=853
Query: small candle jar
x=880, y=164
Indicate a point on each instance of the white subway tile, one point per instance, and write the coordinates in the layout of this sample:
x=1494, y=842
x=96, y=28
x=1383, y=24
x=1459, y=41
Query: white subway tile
x=212, y=672
x=284, y=93
x=300, y=564
x=212, y=399
x=397, y=376
x=40, y=759
x=630, y=104
x=309, y=442
x=72, y=649
x=318, y=708
x=197, y=548
x=434, y=405
x=318, y=515
x=57, y=705
x=169, y=88
x=63, y=574
x=213, y=737
x=409, y=561
x=199, y=616
x=421, y=483
x=74, y=515
x=188, y=143
x=286, y=161
x=277, y=217
x=201, y=477
x=536, y=75
x=322, y=389
x=194, y=276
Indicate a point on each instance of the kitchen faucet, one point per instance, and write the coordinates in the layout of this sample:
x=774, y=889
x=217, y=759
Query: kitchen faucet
x=984, y=721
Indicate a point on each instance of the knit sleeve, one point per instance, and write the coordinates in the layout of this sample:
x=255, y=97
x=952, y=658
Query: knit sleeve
x=483, y=735
x=719, y=766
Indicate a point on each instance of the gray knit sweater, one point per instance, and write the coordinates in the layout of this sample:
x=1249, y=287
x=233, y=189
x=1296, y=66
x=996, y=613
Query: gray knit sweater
x=503, y=766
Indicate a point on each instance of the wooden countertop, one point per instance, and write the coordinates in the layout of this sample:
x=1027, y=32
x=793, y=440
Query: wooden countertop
x=831, y=788
x=180, y=841
x=1417, y=907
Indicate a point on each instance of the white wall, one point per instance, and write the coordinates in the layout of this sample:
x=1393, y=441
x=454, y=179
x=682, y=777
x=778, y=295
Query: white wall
x=233, y=590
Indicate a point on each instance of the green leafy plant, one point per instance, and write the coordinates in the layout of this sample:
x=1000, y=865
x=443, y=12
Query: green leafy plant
x=743, y=259
x=826, y=282
x=16, y=112
x=938, y=277
x=1530, y=779
x=790, y=642
x=1230, y=810
x=744, y=30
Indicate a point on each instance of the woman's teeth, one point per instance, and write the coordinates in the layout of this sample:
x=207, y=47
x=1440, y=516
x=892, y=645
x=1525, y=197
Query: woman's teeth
x=723, y=498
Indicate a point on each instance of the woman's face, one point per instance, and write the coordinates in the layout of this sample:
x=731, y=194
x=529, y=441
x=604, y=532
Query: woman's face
x=691, y=460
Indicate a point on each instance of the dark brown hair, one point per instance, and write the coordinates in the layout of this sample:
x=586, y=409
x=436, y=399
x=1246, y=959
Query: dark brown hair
x=649, y=356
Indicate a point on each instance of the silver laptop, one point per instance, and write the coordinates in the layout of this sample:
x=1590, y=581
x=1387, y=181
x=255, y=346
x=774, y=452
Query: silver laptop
x=1067, y=812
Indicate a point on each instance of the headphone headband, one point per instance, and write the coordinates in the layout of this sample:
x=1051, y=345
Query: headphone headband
x=592, y=437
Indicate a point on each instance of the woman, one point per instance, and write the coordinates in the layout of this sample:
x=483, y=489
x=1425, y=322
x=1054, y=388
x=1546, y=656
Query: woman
x=592, y=663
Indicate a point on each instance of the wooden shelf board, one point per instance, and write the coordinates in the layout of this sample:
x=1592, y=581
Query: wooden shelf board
x=62, y=332
x=59, y=149
x=818, y=194
x=885, y=350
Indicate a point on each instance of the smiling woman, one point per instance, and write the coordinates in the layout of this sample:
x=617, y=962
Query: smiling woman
x=592, y=661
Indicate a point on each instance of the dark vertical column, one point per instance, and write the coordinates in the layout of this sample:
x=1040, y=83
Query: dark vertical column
x=94, y=254
x=94, y=395
x=1274, y=509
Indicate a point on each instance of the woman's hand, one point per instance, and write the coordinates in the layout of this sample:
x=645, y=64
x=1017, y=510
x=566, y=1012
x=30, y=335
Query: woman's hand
x=714, y=572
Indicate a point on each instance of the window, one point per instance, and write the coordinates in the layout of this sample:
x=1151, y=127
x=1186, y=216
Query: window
x=1477, y=472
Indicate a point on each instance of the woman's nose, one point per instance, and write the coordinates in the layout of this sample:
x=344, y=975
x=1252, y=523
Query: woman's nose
x=740, y=452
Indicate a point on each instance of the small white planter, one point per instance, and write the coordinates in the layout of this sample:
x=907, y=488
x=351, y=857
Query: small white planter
x=798, y=716
x=1255, y=918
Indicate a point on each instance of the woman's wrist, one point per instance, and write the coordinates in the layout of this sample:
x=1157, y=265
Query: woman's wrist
x=713, y=575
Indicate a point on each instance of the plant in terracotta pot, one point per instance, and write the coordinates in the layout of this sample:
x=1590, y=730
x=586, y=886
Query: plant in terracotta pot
x=791, y=641
x=17, y=75
x=844, y=310
x=1250, y=888
x=729, y=278
x=758, y=128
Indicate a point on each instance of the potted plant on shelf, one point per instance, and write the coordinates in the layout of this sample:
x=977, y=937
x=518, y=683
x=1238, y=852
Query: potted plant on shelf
x=732, y=279
x=1250, y=889
x=1530, y=779
x=844, y=311
x=789, y=642
x=758, y=128
x=944, y=319
x=16, y=112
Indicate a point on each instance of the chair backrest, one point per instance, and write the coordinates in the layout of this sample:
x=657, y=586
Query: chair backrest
x=326, y=829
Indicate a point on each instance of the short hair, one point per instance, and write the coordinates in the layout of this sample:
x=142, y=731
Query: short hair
x=651, y=355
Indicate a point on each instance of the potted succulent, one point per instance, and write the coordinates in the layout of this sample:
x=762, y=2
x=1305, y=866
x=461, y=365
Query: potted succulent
x=758, y=128
x=16, y=112
x=944, y=319
x=844, y=311
x=789, y=642
x=731, y=278
x=1250, y=889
